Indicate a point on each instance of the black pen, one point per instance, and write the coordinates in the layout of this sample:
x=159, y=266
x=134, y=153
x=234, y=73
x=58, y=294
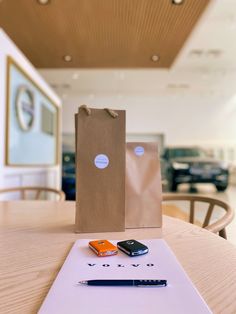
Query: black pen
x=125, y=282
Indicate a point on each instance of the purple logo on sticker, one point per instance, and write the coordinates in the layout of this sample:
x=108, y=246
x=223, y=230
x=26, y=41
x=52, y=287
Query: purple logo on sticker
x=101, y=161
x=139, y=150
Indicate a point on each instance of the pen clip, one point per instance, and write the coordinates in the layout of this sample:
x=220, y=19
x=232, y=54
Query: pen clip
x=151, y=283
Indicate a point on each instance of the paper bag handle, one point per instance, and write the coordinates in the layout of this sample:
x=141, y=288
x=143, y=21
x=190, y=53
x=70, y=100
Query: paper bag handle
x=87, y=110
x=111, y=112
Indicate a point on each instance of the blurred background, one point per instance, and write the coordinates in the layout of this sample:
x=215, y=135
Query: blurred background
x=170, y=64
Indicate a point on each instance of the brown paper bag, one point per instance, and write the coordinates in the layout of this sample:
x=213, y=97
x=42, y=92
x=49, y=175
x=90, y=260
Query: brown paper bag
x=100, y=170
x=143, y=186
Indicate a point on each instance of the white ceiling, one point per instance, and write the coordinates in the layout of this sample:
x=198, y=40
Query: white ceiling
x=206, y=66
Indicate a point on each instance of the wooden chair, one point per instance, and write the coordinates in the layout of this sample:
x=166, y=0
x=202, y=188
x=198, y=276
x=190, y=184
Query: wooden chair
x=38, y=192
x=215, y=227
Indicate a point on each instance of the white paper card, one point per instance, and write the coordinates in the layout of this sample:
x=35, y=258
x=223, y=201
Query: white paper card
x=67, y=297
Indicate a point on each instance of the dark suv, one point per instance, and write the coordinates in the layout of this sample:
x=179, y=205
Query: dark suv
x=191, y=165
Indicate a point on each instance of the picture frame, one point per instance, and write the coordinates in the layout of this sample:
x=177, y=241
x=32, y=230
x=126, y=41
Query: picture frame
x=32, y=121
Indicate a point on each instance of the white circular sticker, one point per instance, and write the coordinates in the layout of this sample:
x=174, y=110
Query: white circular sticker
x=101, y=161
x=139, y=150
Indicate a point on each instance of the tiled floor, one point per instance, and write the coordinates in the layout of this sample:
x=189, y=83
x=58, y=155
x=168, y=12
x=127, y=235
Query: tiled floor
x=228, y=196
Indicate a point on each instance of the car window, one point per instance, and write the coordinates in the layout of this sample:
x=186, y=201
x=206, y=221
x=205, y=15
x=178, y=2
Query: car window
x=186, y=152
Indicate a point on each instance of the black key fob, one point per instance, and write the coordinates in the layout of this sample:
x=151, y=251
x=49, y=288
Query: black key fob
x=132, y=247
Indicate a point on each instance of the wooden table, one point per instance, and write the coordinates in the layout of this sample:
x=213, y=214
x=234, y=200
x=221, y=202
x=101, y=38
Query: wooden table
x=36, y=237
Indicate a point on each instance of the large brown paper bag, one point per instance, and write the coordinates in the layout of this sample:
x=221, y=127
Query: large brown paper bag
x=100, y=170
x=143, y=186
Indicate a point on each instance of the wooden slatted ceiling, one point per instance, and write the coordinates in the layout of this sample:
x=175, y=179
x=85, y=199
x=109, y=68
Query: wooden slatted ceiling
x=100, y=33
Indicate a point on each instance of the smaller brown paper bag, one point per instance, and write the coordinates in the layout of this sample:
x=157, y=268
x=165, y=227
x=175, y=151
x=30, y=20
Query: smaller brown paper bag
x=143, y=186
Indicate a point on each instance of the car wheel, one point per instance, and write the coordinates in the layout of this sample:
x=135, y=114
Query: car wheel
x=221, y=188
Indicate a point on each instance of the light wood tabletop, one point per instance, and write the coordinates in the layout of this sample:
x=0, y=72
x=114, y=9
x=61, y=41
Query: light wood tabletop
x=36, y=237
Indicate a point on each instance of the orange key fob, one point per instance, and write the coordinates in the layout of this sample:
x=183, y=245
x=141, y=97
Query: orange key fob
x=103, y=248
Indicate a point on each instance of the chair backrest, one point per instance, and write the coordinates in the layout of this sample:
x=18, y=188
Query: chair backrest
x=38, y=191
x=212, y=203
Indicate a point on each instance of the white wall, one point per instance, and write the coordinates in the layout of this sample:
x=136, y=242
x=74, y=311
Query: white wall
x=185, y=121
x=17, y=176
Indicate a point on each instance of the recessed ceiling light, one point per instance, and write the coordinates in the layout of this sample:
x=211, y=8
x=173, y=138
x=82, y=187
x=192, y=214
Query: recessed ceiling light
x=177, y=2
x=172, y=86
x=119, y=75
x=43, y=2
x=178, y=86
x=196, y=52
x=65, y=85
x=54, y=85
x=183, y=86
x=155, y=58
x=67, y=58
x=75, y=76
x=214, y=52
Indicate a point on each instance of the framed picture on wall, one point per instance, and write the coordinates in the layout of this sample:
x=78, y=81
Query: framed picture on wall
x=32, y=121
